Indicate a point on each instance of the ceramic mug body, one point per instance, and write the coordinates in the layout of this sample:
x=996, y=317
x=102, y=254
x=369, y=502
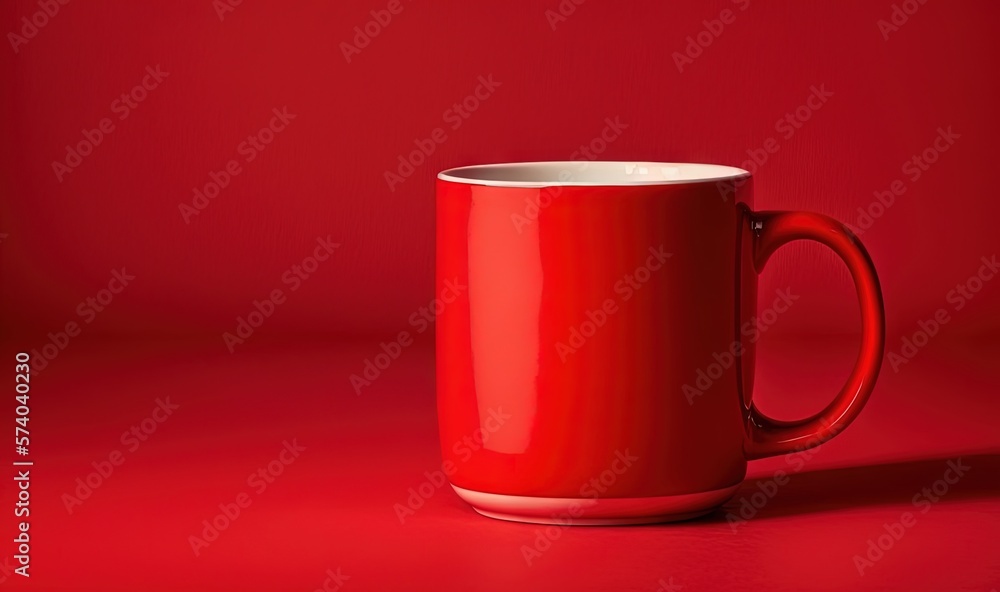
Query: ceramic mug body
x=596, y=338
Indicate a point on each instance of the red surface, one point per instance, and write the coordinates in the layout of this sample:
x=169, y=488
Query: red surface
x=322, y=178
x=336, y=505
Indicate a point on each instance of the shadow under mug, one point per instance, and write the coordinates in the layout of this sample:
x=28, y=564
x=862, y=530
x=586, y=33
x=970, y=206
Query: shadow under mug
x=596, y=337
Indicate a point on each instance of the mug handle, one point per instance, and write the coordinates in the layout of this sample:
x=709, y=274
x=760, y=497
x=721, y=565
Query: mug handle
x=769, y=437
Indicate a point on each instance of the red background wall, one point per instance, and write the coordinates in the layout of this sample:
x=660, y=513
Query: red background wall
x=324, y=174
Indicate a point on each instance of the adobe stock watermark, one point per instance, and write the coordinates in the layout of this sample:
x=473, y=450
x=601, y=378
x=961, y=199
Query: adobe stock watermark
x=364, y=34
x=582, y=156
x=32, y=24
x=293, y=278
x=435, y=480
x=668, y=585
x=786, y=127
x=421, y=320
x=958, y=297
x=751, y=330
x=591, y=490
x=334, y=581
x=131, y=439
x=7, y=569
x=249, y=149
x=453, y=117
x=562, y=12
x=751, y=504
x=123, y=106
x=713, y=29
x=624, y=290
x=878, y=546
x=913, y=169
x=87, y=310
x=225, y=7
x=258, y=482
x=899, y=16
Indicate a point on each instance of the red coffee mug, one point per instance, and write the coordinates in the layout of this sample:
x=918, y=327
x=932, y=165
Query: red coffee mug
x=594, y=364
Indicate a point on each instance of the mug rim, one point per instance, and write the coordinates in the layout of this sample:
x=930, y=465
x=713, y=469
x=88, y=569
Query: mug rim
x=599, y=173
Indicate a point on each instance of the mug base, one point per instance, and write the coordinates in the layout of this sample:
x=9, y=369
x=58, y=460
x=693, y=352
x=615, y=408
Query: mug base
x=587, y=511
